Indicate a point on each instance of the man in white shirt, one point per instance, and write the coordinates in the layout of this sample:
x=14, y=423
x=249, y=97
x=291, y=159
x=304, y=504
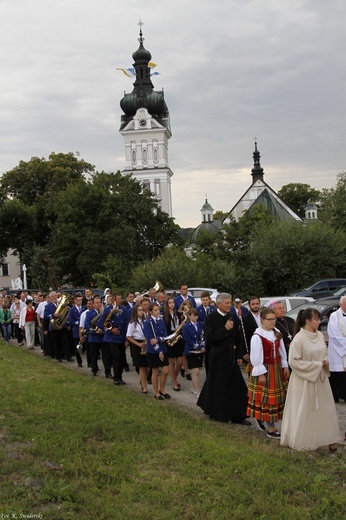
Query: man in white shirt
x=82, y=333
x=40, y=317
x=337, y=351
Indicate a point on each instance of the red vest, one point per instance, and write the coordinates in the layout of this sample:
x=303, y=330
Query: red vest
x=271, y=353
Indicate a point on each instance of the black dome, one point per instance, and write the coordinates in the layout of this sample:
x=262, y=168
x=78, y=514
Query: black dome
x=141, y=54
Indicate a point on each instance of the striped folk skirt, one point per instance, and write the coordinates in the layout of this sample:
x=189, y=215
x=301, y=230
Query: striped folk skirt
x=266, y=402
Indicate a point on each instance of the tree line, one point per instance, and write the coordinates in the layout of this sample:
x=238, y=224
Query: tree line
x=73, y=225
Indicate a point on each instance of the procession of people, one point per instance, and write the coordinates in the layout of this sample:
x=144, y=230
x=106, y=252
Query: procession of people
x=288, y=364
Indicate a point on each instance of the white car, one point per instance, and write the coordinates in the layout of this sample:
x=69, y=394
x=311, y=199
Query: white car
x=197, y=291
x=290, y=302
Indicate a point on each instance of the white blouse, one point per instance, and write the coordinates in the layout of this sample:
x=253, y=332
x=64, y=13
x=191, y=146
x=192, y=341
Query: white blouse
x=135, y=331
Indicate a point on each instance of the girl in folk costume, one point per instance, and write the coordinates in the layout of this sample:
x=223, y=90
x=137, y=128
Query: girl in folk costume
x=175, y=353
x=310, y=420
x=269, y=375
x=135, y=335
x=194, y=347
x=155, y=332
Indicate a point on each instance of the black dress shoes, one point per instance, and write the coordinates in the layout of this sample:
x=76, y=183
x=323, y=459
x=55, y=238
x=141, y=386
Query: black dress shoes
x=242, y=423
x=166, y=396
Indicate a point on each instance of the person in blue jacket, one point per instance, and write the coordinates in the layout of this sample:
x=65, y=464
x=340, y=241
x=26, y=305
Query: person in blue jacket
x=183, y=296
x=155, y=333
x=113, y=323
x=194, y=348
x=205, y=308
x=95, y=335
x=73, y=321
x=57, y=339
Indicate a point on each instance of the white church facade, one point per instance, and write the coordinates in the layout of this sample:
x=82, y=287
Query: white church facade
x=145, y=127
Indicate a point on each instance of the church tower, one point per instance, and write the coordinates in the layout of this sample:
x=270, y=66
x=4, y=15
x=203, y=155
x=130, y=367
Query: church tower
x=145, y=127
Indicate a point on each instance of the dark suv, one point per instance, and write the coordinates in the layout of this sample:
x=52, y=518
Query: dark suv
x=321, y=288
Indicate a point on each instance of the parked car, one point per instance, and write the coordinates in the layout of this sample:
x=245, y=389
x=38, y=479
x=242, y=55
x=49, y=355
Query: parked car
x=336, y=295
x=80, y=290
x=321, y=288
x=197, y=291
x=11, y=292
x=172, y=292
x=288, y=301
x=325, y=308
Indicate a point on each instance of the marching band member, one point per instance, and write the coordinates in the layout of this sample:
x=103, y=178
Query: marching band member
x=184, y=307
x=183, y=296
x=175, y=353
x=155, y=332
x=194, y=348
x=135, y=335
x=113, y=323
x=74, y=315
x=205, y=308
x=57, y=339
x=40, y=317
x=95, y=336
x=83, y=335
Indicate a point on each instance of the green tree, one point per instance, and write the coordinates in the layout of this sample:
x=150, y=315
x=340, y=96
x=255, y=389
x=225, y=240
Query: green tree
x=205, y=242
x=35, y=185
x=41, y=274
x=18, y=224
x=287, y=256
x=38, y=179
x=220, y=215
x=333, y=203
x=185, y=233
x=172, y=267
x=105, y=217
x=233, y=240
x=298, y=195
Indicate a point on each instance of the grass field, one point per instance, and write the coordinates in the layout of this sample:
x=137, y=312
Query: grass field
x=73, y=447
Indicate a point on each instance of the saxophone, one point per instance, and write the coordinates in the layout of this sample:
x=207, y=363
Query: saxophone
x=59, y=321
x=108, y=321
x=177, y=334
x=93, y=323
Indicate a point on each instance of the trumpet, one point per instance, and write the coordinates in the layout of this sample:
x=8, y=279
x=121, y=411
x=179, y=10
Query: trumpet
x=84, y=334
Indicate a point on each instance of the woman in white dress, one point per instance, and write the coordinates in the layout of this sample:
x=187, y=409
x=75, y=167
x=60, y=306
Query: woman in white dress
x=310, y=420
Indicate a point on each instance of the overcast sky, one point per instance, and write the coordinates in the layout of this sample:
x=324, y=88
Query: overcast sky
x=231, y=70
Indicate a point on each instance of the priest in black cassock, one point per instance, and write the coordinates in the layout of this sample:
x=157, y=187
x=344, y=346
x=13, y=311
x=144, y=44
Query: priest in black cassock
x=224, y=394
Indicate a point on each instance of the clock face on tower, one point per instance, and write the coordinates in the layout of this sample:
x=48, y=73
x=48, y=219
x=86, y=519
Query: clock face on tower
x=142, y=123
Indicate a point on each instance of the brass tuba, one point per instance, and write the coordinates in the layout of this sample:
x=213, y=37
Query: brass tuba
x=58, y=322
x=158, y=286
